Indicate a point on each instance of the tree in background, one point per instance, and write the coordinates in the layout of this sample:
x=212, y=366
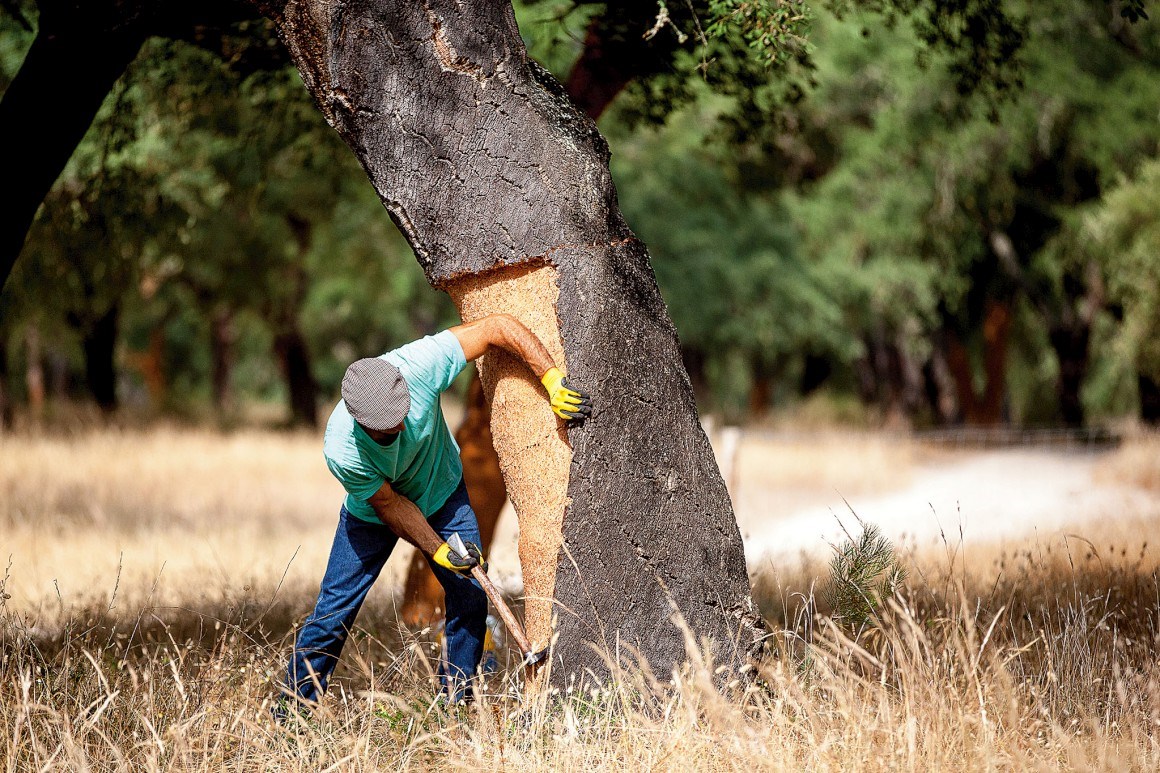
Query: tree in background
x=1123, y=233
x=964, y=209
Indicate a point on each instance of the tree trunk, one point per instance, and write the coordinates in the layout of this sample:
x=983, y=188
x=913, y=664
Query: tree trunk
x=294, y=358
x=1149, y=390
x=34, y=375
x=596, y=78
x=1071, y=350
x=984, y=410
x=99, y=343
x=6, y=408
x=502, y=189
x=760, y=393
x=940, y=387
x=221, y=344
x=815, y=371
x=77, y=56
x=996, y=333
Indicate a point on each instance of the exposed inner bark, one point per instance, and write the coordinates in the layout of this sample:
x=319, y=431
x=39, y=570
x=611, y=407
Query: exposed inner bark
x=533, y=449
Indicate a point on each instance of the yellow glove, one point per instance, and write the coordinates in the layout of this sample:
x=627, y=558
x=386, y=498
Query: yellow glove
x=449, y=559
x=567, y=401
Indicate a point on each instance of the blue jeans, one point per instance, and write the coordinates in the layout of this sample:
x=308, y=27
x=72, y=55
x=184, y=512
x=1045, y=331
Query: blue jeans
x=360, y=549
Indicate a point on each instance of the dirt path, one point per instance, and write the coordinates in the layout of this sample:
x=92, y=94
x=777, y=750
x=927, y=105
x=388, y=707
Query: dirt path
x=989, y=496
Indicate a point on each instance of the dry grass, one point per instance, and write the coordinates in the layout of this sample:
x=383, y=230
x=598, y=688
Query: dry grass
x=1136, y=463
x=846, y=462
x=1041, y=656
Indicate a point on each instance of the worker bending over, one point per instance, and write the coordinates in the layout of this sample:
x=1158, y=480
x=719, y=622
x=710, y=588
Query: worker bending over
x=389, y=447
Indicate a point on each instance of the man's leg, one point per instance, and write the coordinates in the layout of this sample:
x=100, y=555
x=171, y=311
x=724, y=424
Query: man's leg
x=357, y=556
x=465, y=601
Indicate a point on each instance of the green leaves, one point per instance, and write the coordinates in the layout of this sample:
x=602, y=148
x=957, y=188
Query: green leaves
x=864, y=573
x=776, y=30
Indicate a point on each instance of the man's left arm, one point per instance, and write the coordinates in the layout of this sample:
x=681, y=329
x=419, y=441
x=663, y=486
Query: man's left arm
x=509, y=334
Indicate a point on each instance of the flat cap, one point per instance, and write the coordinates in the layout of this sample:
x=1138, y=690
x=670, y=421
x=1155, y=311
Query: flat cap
x=375, y=394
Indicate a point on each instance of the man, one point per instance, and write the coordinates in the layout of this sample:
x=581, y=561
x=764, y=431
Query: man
x=388, y=445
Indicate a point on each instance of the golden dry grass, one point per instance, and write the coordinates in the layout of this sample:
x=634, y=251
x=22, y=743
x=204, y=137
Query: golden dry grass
x=1029, y=657
x=847, y=462
x=1136, y=463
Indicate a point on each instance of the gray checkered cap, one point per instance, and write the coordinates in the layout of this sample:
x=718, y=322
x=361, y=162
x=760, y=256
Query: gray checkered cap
x=375, y=393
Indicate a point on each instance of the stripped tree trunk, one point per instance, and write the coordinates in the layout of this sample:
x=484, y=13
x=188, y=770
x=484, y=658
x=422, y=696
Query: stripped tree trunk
x=605, y=67
x=501, y=186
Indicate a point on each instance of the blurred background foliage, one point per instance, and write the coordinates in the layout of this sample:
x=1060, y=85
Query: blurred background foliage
x=919, y=213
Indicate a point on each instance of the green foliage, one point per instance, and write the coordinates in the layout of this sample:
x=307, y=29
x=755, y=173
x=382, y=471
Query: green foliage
x=202, y=192
x=857, y=196
x=864, y=573
x=776, y=31
x=744, y=300
x=1125, y=234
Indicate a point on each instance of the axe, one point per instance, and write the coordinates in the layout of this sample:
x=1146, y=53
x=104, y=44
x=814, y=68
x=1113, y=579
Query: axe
x=531, y=657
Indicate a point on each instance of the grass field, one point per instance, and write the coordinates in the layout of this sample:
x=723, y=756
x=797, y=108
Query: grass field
x=155, y=577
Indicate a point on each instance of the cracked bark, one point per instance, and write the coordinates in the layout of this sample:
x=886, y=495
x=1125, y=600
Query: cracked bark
x=484, y=163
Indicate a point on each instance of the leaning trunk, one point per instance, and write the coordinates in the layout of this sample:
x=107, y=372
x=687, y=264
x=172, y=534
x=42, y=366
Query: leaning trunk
x=502, y=188
x=77, y=56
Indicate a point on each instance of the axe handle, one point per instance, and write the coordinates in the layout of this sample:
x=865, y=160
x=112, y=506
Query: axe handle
x=505, y=612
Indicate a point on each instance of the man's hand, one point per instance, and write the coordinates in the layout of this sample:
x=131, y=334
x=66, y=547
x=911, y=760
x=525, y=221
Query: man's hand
x=567, y=401
x=449, y=559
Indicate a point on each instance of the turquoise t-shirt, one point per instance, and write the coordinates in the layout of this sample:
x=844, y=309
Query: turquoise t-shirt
x=423, y=464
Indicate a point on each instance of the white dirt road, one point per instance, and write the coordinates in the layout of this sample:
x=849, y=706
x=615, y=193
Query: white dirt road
x=986, y=497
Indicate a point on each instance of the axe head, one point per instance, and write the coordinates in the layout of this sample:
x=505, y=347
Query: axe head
x=456, y=543
x=532, y=658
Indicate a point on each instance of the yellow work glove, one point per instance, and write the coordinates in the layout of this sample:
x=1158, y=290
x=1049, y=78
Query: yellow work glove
x=567, y=401
x=449, y=559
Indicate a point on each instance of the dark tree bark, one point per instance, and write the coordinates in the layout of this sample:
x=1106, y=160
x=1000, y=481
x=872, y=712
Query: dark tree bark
x=6, y=408
x=34, y=375
x=77, y=56
x=609, y=62
x=614, y=55
x=81, y=48
x=816, y=371
x=889, y=378
x=221, y=344
x=985, y=410
x=1071, y=350
x=294, y=357
x=99, y=343
x=940, y=386
x=483, y=162
x=1149, y=390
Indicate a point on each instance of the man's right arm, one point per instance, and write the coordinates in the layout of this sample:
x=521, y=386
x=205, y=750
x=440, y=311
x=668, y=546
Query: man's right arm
x=404, y=518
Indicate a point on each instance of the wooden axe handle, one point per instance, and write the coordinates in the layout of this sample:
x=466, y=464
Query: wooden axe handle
x=505, y=612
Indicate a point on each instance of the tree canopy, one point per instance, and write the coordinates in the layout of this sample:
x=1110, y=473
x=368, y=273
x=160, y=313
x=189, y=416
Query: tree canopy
x=924, y=206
